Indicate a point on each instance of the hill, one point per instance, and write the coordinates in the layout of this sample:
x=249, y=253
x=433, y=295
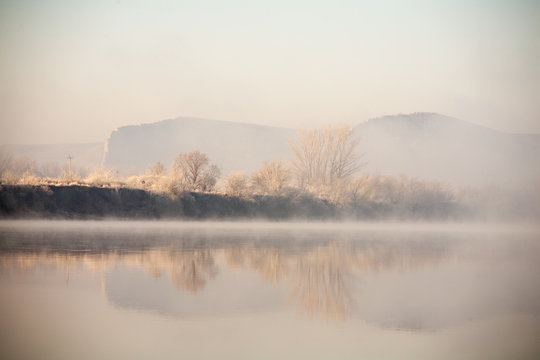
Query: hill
x=437, y=147
x=423, y=145
x=232, y=146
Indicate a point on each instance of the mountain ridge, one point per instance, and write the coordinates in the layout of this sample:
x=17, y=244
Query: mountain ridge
x=424, y=145
x=430, y=145
x=226, y=143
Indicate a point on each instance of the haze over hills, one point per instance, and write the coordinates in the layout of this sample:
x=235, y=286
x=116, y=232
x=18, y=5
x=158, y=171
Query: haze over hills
x=421, y=145
x=85, y=155
x=438, y=147
x=231, y=146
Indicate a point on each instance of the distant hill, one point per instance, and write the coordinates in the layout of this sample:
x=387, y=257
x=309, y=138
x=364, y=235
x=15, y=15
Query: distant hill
x=232, y=146
x=434, y=146
x=422, y=145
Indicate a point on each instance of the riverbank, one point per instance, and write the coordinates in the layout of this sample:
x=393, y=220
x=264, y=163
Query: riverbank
x=86, y=202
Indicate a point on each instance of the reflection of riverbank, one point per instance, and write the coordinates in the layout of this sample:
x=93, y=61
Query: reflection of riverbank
x=319, y=273
x=415, y=281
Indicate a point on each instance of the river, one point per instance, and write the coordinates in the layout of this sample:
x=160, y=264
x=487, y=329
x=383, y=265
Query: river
x=203, y=290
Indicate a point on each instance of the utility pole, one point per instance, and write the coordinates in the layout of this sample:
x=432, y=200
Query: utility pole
x=69, y=159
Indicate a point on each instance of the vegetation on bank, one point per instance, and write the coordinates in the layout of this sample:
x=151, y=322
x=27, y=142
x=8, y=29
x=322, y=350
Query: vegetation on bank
x=321, y=181
x=90, y=202
x=87, y=202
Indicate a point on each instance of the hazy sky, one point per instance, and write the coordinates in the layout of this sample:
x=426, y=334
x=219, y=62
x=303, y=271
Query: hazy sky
x=72, y=71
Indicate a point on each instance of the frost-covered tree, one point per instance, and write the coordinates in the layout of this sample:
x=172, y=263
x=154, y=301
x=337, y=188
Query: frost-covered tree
x=6, y=162
x=236, y=184
x=325, y=156
x=24, y=166
x=209, y=178
x=155, y=179
x=156, y=170
x=271, y=179
x=103, y=177
x=193, y=172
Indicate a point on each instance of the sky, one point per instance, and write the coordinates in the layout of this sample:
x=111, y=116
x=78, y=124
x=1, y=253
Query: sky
x=73, y=71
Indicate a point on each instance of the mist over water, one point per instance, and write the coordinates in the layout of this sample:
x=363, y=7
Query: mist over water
x=254, y=289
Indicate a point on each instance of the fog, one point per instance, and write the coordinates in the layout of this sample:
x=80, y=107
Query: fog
x=449, y=150
x=166, y=226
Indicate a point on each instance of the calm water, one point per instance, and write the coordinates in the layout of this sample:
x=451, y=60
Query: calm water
x=115, y=290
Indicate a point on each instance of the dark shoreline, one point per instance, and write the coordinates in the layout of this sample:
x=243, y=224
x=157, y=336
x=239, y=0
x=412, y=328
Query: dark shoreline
x=83, y=202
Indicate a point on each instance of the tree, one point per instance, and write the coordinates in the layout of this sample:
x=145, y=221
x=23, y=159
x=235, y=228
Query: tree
x=271, y=179
x=209, y=178
x=323, y=157
x=24, y=166
x=102, y=177
x=193, y=172
x=155, y=179
x=156, y=170
x=6, y=163
x=358, y=189
x=236, y=184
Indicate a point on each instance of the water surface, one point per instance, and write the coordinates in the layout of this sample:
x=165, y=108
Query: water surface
x=108, y=290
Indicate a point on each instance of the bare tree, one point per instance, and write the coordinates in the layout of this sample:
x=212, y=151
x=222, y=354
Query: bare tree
x=24, y=166
x=102, y=177
x=236, y=184
x=271, y=179
x=155, y=179
x=6, y=163
x=325, y=156
x=209, y=178
x=156, y=170
x=193, y=171
x=358, y=188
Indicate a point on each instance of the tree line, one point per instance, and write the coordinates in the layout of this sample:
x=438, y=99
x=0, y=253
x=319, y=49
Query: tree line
x=325, y=164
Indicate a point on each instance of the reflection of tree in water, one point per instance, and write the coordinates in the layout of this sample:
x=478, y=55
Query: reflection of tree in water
x=20, y=263
x=27, y=262
x=190, y=270
x=322, y=284
x=235, y=257
x=320, y=273
x=271, y=264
